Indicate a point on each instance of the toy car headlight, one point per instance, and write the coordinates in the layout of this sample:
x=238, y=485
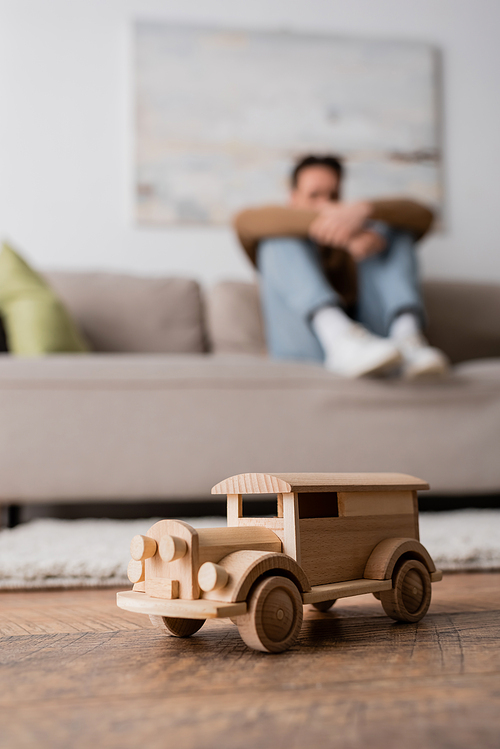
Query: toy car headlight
x=172, y=548
x=212, y=576
x=142, y=547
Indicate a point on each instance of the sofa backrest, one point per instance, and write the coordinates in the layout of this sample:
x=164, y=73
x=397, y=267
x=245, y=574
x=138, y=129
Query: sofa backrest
x=463, y=318
x=234, y=318
x=123, y=313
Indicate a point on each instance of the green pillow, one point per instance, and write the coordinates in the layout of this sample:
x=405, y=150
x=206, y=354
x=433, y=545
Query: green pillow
x=35, y=321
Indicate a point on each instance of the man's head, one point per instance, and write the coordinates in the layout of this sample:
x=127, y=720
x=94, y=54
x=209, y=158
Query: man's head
x=315, y=181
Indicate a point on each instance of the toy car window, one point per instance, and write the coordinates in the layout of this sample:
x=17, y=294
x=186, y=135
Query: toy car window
x=318, y=505
x=259, y=505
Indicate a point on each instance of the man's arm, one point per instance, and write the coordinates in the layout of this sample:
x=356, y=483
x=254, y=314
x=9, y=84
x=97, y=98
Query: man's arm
x=338, y=223
x=254, y=224
x=403, y=214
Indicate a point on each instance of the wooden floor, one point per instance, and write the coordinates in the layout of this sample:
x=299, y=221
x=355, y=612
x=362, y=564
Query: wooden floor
x=76, y=671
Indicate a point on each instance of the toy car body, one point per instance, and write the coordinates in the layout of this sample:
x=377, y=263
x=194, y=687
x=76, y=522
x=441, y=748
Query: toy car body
x=334, y=535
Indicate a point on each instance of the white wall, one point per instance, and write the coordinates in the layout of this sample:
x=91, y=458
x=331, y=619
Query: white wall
x=66, y=127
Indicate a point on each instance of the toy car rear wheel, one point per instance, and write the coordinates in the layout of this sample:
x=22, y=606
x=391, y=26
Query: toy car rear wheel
x=410, y=596
x=323, y=605
x=177, y=627
x=274, y=616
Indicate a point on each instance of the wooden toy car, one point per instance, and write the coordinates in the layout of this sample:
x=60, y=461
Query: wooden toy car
x=334, y=535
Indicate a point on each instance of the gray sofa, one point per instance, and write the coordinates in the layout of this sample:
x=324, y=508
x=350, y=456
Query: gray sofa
x=179, y=394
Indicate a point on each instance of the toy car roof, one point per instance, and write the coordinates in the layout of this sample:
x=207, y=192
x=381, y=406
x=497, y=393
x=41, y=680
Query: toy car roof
x=279, y=483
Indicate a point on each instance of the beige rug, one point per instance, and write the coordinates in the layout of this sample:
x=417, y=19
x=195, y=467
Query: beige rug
x=81, y=553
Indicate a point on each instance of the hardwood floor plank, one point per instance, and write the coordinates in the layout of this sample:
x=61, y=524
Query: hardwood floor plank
x=376, y=714
x=91, y=610
x=64, y=611
x=335, y=650
x=77, y=671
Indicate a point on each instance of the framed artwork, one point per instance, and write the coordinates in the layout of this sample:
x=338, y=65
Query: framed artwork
x=221, y=116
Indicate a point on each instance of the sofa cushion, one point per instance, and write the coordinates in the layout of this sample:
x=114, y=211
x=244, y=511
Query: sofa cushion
x=34, y=319
x=463, y=318
x=122, y=313
x=158, y=426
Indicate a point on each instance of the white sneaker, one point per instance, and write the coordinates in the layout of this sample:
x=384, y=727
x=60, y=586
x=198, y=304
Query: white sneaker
x=357, y=353
x=420, y=359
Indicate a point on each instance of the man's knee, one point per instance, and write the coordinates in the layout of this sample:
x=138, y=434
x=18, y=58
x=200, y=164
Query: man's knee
x=399, y=238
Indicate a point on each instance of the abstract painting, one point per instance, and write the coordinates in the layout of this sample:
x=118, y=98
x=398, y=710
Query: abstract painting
x=222, y=115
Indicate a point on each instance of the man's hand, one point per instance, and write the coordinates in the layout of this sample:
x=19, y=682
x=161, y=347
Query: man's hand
x=365, y=244
x=338, y=223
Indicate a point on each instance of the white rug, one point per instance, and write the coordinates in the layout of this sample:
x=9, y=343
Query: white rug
x=86, y=553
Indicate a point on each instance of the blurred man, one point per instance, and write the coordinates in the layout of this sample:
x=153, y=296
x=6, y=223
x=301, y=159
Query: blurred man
x=325, y=264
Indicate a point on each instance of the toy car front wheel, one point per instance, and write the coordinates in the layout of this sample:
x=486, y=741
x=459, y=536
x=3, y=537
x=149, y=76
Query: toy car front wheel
x=274, y=616
x=177, y=627
x=323, y=605
x=410, y=596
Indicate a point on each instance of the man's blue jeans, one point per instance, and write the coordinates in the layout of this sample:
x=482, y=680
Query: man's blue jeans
x=294, y=286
